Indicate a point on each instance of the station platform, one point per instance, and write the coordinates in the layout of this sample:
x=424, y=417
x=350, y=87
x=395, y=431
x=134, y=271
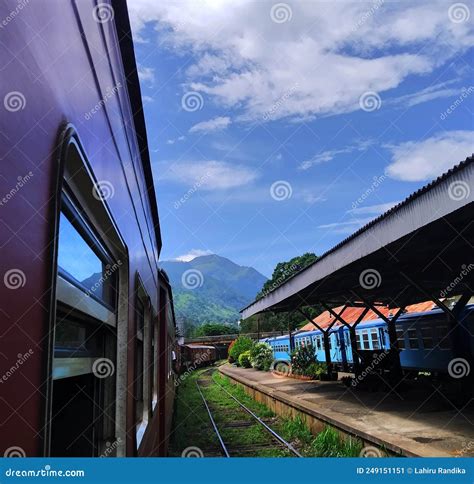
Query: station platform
x=420, y=422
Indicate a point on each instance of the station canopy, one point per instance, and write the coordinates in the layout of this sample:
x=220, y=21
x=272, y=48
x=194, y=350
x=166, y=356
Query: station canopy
x=420, y=248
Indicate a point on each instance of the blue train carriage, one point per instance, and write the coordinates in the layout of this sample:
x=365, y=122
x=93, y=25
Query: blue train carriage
x=425, y=341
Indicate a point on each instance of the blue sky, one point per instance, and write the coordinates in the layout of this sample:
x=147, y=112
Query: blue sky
x=280, y=128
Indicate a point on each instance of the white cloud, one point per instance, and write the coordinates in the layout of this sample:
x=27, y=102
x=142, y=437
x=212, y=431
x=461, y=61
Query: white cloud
x=192, y=254
x=346, y=227
x=373, y=209
x=319, y=63
x=209, y=175
x=437, y=91
x=429, y=158
x=215, y=124
x=146, y=74
x=329, y=155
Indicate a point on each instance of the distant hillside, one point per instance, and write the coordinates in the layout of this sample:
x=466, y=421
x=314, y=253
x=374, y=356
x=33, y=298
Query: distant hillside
x=211, y=288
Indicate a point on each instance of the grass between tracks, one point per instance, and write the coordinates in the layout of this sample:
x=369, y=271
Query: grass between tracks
x=192, y=427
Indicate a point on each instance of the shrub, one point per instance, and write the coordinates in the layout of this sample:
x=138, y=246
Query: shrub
x=302, y=358
x=261, y=356
x=315, y=370
x=244, y=359
x=241, y=344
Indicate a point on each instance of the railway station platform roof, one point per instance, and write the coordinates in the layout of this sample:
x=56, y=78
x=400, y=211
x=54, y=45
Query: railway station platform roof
x=417, y=249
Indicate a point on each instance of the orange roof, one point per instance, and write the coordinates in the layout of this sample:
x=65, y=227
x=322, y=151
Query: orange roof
x=351, y=314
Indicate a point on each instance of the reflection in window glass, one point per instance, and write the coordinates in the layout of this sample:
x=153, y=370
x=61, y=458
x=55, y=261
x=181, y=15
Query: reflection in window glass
x=79, y=263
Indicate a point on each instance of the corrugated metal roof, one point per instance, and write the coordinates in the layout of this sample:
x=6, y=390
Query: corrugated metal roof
x=431, y=203
x=350, y=315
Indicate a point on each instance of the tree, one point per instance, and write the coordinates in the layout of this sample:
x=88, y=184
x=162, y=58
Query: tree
x=281, y=321
x=285, y=270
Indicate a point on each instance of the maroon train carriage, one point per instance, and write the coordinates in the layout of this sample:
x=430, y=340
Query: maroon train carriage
x=194, y=356
x=87, y=322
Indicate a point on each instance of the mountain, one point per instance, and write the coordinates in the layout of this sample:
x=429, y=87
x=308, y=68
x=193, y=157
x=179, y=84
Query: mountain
x=211, y=288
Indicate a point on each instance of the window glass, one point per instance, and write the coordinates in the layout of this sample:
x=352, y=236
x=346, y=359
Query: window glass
x=365, y=339
x=413, y=342
x=80, y=264
x=374, y=333
x=140, y=322
x=400, y=338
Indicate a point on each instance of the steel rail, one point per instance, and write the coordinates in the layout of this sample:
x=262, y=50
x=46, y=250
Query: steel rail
x=261, y=422
x=211, y=418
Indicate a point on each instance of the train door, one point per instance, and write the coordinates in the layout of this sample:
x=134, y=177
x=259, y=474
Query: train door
x=342, y=347
x=89, y=318
x=84, y=358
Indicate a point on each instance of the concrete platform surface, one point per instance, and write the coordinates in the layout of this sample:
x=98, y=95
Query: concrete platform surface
x=423, y=422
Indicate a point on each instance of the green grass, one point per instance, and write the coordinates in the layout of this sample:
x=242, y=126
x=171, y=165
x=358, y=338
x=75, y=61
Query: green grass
x=192, y=426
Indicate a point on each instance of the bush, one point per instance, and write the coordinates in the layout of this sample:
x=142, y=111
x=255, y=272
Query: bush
x=261, y=356
x=244, y=359
x=241, y=344
x=302, y=359
x=315, y=370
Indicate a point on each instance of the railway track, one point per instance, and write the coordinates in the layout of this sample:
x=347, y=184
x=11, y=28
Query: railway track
x=241, y=421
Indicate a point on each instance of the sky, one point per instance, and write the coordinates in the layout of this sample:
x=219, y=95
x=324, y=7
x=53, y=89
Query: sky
x=277, y=129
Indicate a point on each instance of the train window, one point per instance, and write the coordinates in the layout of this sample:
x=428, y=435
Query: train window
x=400, y=338
x=444, y=341
x=365, y=339
x=359, y=340
x=413, y=342
x=330, y=342
x=139, y=355
x=374, y=334
x=427, y=337
x=82, y=259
